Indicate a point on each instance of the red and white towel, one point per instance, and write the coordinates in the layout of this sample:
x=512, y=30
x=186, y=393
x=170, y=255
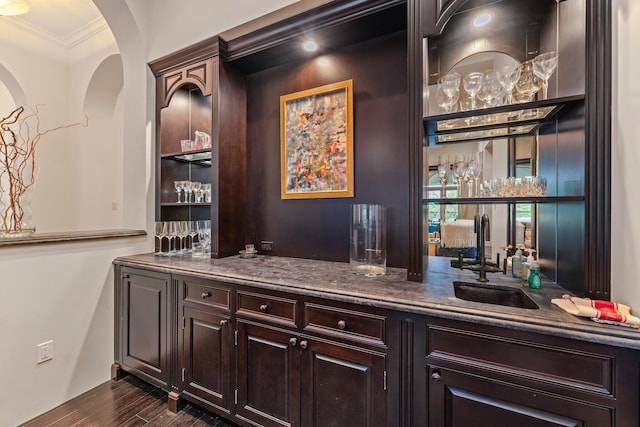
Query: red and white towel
x=599, y=311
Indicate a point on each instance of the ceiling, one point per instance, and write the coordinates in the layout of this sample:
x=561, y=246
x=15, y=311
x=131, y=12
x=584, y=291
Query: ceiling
x=63, y=21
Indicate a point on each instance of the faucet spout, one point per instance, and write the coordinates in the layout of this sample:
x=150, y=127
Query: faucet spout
x=482, y=228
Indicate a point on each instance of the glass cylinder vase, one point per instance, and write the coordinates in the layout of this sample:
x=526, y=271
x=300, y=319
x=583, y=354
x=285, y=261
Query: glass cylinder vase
x=368, y=248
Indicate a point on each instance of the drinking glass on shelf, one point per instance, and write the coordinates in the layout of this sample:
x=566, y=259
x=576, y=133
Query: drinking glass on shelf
x=450, y=84
x=458, y=172
x=206, y=192
x=474, y=166
x=491, y=89
x=509, y=76
x=472, y=83
x=172, y=232
x=183, y=230
x=443, y=173
x=543, y=66
x=192, y=232
x=195, y=188
x=528, y=84
x=188, y=190
x=446, y=99
x=179, y=185
x=159, y=231
x=204, y=236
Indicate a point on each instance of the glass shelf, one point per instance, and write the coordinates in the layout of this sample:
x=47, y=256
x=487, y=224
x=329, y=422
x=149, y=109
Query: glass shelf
x=503, y=200
x=196, y=156
x=495, y=122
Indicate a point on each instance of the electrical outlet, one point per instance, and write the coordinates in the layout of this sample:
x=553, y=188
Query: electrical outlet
x=266, y=246
x=45, y=351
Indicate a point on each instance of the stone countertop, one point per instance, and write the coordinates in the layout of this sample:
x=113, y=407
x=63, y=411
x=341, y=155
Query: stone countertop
x=434, y=297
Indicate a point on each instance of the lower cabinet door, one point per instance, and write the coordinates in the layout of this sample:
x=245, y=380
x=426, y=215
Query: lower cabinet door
x=268, y=375
x=144, y=339
x=206, y=352
x=341, y=385
x=456, y=399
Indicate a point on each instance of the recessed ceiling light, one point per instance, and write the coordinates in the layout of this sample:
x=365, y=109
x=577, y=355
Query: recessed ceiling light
x=482, y=20
x=310, y=46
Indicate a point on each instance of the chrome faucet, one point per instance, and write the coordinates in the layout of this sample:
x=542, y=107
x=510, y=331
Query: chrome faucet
x=482, y=228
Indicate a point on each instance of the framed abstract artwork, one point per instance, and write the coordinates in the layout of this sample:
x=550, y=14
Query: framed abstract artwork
x=316, y=142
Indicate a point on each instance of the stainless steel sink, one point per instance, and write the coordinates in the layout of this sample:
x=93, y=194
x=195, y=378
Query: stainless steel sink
x=493, y=294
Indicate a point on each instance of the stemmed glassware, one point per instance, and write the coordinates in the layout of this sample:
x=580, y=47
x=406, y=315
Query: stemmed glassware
x=446, y=100
x=195, y=188
x=472, y=83
x=443, y=173
x=183, y=229
x=474, y=170
x=458, y=172
x=528, y=84
x=543, y=66
x=509, y=76
x=491, y=89
x=160, y=234
x=192, y=232
x=172, y=233
x=204, y=236
x=179, y=185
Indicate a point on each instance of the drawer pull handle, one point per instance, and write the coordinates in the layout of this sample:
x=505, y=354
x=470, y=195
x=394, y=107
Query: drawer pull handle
x=263, y=308
x=342, y=324
x=293, y=341
x=303, y=344
x=435, y=376
x=206, y=295
x=223, y=323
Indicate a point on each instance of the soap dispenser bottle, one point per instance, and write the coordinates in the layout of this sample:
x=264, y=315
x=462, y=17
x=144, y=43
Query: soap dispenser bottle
x=534, y=275
x=516, y=263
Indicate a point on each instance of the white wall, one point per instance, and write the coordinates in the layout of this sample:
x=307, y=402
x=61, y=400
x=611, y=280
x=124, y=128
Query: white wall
x=625, y=153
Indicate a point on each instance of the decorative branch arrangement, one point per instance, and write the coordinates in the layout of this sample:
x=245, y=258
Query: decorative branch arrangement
x=19, y=136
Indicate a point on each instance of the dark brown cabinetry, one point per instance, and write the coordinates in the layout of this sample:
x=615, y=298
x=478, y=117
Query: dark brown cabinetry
x=569, y=147
x=499, y=377
x=205, y=340
x=286, y=377
x=196, y=90
x=143, y=324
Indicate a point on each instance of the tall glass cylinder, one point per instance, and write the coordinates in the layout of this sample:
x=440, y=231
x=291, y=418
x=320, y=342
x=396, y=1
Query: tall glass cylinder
x=368, y=249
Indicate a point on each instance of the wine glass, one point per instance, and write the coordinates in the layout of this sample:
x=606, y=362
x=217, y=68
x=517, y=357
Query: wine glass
x=528, y=84
x=491, y=88
x=509, y=76
x=192, y=232
x=183, y=230
x=543, y=66
x=188, y=190
x=204, y=236
x=195, y=188
x=446, y=99
x=474, y=162
x=179, y=185
x=450, y=83
x=443, y=173
x=159, y=232
x=472, y=83
x=172, y=232
x=458, y=172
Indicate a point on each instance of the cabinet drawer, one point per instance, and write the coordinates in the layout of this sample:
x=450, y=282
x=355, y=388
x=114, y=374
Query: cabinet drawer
x=344, y=323
x=550, y=364
x=208, y=294
x=266, y=307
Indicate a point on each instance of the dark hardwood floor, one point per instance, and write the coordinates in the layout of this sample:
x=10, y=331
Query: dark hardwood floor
x=128, y=402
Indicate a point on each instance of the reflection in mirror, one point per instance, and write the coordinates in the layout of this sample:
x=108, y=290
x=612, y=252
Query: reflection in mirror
x=449, y=226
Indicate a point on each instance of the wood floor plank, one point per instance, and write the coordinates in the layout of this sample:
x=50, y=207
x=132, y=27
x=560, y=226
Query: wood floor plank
x=129, y=402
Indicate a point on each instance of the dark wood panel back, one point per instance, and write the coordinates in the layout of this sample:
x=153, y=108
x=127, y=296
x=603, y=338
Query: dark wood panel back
x=319, y=228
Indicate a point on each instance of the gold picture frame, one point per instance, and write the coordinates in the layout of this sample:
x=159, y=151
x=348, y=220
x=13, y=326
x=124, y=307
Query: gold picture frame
x=316, y=142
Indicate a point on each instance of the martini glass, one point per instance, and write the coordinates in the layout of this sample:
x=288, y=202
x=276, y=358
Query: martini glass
x=543, y=66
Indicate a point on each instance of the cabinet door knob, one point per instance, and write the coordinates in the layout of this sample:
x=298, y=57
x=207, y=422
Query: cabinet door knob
x=206, y=294
x=342, y=324
x=293, y=341
x=263, y=308
x=303, y=344
x=435, y=376
x=223, y=323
